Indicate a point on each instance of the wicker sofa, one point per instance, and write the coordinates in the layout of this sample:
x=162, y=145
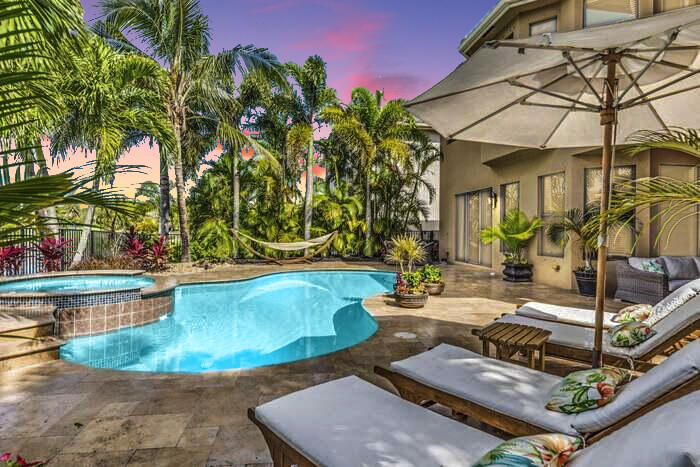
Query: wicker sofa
x=636, y=285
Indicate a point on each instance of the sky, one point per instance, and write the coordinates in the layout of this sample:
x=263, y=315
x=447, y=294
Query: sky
x=400, y=46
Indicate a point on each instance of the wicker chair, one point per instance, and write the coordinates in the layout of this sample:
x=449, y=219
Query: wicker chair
x=636, y=286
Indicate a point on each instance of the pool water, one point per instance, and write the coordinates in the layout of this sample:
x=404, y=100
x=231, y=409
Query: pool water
x=268, y=320
x=77, y=283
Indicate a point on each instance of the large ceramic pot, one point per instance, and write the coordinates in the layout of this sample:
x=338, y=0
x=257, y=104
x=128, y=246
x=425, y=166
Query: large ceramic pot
x=411, y=301
x=586, y=282
x=435, y=289
x=517, y=272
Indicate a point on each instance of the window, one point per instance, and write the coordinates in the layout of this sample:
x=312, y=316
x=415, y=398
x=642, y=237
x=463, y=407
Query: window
x=552, y=204
x=510, y=198
x=601, y=12
x=620, y=239
x=541, y=27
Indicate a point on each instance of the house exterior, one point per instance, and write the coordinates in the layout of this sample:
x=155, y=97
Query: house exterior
x=480, y=182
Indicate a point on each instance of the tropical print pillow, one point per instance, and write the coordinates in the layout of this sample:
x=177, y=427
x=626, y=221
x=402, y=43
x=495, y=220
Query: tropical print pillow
x=550, y=450
x=586, y=390
x=633, y=313
x=652, y=266
x=630, y=334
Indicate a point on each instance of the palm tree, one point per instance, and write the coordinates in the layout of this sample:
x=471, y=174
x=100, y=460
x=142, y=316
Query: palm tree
x=673, y=200
x=177, y=33
x=424, y=156
x=339, y=211
x=369, y=129
x=310, y=98
x=112, y=101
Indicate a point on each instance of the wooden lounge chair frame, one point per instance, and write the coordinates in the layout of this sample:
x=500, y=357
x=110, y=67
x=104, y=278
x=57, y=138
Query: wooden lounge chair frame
x=283, y=455
x=419, y=393
x=302, y=259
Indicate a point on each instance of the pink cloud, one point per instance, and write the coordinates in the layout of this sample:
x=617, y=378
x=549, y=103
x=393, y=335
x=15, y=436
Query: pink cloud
x=395, y=85
x=353, y=34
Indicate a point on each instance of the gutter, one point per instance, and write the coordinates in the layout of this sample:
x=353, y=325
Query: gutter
x=487, y=22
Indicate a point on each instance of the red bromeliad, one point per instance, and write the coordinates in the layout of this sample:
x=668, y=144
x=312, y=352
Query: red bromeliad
x=53, y=250
x=11, y=260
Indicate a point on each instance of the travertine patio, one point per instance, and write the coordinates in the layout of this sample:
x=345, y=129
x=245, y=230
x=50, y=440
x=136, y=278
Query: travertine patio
x=73, y=415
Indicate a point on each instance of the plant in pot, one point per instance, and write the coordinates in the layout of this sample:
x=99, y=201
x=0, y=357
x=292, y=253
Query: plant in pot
x=406, y=250
x=514, y=232
x=432, y=278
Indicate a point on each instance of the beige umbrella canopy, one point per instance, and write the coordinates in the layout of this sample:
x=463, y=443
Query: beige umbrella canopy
x=557, y=90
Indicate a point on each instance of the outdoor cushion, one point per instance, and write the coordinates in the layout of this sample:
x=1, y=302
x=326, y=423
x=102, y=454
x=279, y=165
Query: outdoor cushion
x=630, y=334
x=586, y=390
x=552, y=449
x=667, y=436
x=673, y=301
x=502, y=386
x=646, y=264
x=563, y=314
x=350, y=422
x=633, y=313
x=676, y=284
x=671, y=373
x=679, y=267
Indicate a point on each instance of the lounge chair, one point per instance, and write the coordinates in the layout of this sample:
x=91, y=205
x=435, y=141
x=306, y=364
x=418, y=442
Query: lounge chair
x=564, y=314
x=349, y=422
x=511, y=397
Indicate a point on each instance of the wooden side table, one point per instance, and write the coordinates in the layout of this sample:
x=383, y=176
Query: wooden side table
x=510, y=338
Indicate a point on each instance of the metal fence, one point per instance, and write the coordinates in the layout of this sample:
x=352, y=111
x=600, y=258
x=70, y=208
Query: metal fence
x=101, y=244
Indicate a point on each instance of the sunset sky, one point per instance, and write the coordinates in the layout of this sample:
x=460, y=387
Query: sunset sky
x=401, y=46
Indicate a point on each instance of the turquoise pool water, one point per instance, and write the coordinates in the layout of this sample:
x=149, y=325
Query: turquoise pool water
x=264, y=321
x=77, y=283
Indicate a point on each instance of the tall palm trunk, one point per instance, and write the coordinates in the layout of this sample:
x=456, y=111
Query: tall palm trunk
x=48, y=213
x=368, y=215
x=236, y=200
x=309, y=197
x=85, y=231
x=164, y=195
x=180, y=187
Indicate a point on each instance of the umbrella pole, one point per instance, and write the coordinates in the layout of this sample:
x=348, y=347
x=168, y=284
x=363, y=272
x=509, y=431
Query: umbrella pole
x=607, y=121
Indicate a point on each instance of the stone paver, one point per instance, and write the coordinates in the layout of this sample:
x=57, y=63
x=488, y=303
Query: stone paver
x=72, y=415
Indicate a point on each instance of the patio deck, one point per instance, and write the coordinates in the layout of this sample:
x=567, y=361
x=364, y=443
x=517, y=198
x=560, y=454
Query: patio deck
x=73, y=415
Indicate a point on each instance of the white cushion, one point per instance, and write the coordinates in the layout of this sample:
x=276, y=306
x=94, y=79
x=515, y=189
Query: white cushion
x=667, y=436
x=563, y=314
x=502, y=386
x=349, y=422
x=671, y=373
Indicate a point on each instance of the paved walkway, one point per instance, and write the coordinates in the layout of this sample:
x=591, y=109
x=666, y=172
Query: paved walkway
x=73, y=415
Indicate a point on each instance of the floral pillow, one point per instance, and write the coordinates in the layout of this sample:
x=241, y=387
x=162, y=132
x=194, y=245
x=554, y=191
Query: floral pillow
x=630, y=334
x=550, y=450
x=652, y=266
x=586, y=390
x=633, y=313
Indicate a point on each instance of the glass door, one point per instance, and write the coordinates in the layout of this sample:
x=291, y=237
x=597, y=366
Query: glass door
x=474, y=213
x=460, y=227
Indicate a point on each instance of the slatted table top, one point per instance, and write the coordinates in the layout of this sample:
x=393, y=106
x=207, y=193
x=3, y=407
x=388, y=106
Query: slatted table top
x=516, y=335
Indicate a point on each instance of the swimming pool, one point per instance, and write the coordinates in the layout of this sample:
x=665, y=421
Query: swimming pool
x=76, y=283
x=268, y=320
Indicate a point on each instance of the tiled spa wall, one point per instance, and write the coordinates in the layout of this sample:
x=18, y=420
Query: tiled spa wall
x=98, y=319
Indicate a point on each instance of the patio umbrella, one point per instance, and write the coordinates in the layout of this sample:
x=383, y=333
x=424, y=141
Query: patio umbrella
x=557, y=90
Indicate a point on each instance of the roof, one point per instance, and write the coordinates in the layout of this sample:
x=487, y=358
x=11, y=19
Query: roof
x=488, y=21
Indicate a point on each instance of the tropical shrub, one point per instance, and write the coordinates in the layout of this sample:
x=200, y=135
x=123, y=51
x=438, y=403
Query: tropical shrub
x=136, y=245
x=19, y=461
x=406, y=250
x=431, y=274
x=157, y=257
x=11, y=260
x=515, y=232
x=409, y=283
x=53, y=249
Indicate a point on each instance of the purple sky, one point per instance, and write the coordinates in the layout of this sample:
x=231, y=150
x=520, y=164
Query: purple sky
x=401, y=46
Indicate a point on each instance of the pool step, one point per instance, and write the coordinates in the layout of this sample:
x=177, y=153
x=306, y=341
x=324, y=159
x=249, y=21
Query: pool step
x=27, y=337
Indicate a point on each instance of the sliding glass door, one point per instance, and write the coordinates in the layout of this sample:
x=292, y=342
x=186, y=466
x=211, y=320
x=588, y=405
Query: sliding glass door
x=474, y=213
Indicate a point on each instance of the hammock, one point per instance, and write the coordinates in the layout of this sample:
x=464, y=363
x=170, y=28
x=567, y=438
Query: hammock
x=322, y=243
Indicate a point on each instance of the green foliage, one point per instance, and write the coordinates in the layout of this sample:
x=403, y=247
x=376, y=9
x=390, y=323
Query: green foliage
x=515, y=232
x=213, y=241
x=406, y=250
x=431, y=274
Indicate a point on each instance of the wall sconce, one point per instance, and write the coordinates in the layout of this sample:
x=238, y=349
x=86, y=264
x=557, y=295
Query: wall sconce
x=493, y=199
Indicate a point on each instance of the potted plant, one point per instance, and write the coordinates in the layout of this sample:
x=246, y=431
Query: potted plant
x=406, y=250
x=514, y=232
x=583, y=227
x=432, y=279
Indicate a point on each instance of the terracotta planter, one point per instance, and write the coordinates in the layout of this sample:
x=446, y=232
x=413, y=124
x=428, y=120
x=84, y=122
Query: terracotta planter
x=411, y=301
x=435, y=289
x=586, y=282
x=517, y=272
